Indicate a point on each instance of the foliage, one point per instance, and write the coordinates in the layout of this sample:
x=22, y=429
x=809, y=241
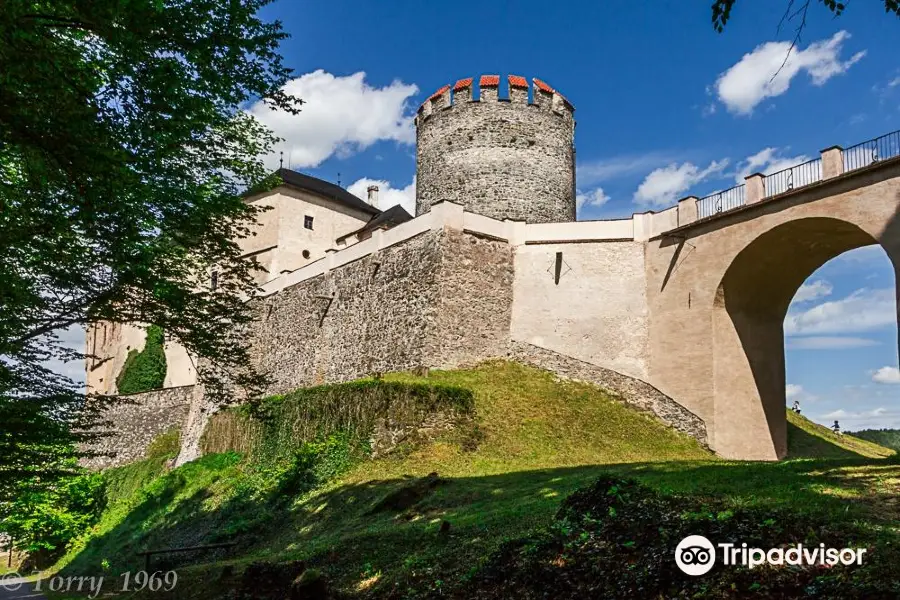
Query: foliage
x=124, y=150
x=144, y=370
x=46, y=518
x=889, y=438
x=721, y=10
x=272, y=428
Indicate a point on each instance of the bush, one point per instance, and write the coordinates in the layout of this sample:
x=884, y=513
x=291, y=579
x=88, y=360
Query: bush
x=144, y=370
x=43, y=520
x=272, y=429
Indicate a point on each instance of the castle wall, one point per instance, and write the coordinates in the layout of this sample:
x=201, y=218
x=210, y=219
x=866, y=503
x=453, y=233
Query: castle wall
x=136, y=420
x=439, y=299
x=597, y=311
x=501, y=159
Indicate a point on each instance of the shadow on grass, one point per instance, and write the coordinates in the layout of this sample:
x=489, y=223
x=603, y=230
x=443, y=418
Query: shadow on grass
x=336, y=531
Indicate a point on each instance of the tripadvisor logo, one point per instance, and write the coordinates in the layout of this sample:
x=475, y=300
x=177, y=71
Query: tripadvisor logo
x=696, y=555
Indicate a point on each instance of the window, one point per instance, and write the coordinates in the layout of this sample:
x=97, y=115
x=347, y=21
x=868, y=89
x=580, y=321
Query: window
x=306, y=254
x=214, y=280
x=307, y=222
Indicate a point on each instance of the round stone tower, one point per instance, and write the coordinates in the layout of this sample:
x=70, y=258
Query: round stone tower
x=504, y=158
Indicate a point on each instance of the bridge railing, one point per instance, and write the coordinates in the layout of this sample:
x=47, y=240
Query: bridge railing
x=872, y=151
x=721, y=201
x=793, y=177
x=833, y=162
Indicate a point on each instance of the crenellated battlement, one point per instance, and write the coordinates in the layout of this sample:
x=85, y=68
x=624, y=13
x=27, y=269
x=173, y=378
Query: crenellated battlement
x=488, y=89
x=500, y=146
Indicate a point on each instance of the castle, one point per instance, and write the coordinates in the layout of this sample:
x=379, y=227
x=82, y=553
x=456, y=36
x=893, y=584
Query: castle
x=678, y=312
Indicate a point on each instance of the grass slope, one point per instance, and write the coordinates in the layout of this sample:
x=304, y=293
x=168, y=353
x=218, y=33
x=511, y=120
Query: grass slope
x=811, y=440
x=540, y=439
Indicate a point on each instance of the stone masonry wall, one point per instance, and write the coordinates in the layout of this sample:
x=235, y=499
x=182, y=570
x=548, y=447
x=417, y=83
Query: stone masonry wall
x=504, y=159
x=475, y=291
x=136, y=421
x=374, y=314
x=440, y=299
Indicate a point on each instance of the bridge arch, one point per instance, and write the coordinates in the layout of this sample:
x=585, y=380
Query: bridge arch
x=748, y=313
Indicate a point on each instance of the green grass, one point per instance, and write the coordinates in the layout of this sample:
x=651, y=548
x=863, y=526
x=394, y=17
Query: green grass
x=811, y=440
x=539, y=439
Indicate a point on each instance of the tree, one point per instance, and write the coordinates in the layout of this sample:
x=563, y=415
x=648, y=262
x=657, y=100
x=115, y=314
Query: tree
x=721, y=11
x=123, y=155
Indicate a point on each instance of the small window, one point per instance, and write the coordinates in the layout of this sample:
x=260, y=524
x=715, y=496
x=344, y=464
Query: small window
x=214, y=280
x=307, y=222
x=306, y=254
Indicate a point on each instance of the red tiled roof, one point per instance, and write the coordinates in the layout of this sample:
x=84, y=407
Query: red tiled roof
x=462, y=84
x=518, y=82
x=489, y=81
x=542, y=86
x=439, y=92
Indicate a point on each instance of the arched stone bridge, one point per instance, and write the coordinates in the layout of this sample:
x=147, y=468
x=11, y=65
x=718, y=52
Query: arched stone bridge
x=718, y=290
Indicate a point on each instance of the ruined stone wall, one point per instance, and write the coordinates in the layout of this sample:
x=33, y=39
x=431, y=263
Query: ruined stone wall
x=135, y=421
x=501, y=158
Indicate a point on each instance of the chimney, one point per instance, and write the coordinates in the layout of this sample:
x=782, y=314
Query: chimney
x=373, y=195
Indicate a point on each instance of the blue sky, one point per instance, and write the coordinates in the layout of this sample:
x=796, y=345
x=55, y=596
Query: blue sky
x=665, y=107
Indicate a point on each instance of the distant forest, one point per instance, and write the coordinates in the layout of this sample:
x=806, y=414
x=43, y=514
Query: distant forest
x=889, y=438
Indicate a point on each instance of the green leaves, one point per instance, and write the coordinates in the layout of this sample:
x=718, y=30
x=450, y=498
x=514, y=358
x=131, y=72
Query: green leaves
x=144, y=370
x=124, y=151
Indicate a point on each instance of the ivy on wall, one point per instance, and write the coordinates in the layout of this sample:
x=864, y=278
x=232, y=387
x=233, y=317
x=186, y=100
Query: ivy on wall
x=144, y=370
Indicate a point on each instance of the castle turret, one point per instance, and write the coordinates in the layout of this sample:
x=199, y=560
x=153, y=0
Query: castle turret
x=505, y=158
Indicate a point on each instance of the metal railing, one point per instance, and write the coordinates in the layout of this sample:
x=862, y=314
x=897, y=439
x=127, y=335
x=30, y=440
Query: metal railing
x=721, y=201
x=872, y=151
x=855, y=157
x=793, y=177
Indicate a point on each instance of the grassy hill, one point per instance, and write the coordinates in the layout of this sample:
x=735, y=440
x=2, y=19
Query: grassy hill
x=811, y=440
x=889, y=438
x=428, y=515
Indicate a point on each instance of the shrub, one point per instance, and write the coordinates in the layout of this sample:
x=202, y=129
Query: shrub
x=272, y=429
x=43, y=520
x=144, y=370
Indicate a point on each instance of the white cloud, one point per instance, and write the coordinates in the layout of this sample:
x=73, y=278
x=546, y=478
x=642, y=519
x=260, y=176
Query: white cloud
x=387, y=196
x=753, y=79
x=890, y=375
x=813, y=290
x=828, y=343
x=595, y=197
x=894, y=82
x=770, y=160
x=341, y=115
x=863, y=310
x=665, y=185
x=876, y=418
x=793, y=391
x=605, y=169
